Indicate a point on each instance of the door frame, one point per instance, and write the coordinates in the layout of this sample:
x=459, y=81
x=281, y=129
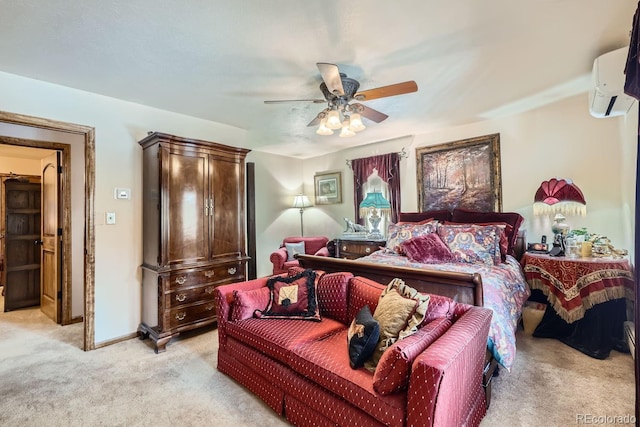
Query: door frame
x=88, y=134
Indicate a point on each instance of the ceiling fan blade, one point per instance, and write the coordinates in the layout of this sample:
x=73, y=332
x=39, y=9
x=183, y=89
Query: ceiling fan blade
x=369, y=113
x=315, y=122
x=282, y=101
x=384, y=91
x=331, y=76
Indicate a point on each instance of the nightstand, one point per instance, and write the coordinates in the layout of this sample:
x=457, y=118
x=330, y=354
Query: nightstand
x=586, y=300
x=356, y=248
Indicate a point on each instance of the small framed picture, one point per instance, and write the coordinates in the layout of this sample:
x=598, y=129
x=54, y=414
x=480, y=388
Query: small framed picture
x=328, y=186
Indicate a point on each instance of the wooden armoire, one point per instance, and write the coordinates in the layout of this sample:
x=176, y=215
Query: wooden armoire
x=193, y=231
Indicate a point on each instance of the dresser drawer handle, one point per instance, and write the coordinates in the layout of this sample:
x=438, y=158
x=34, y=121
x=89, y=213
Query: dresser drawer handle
x=209, y=273
x=344, y=248
x=180, y=297
x=367, y=250
x=232, y=270
x=181, y=280
x=210, y=307
x=209, y=289
x=181, y=315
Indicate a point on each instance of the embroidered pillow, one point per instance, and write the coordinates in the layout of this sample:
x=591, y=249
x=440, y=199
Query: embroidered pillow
x=294, y=249
x=398, y=233
x=246, y=302
x=472, y=243
x=427, y=249
x=292, y=298
x=400, y=311
x=362, y=337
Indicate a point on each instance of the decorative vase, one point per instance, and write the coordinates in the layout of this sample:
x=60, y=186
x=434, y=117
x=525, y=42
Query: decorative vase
x=559, y=225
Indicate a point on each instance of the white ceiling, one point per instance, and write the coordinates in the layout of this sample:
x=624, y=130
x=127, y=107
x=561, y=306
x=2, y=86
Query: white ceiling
x=219, y=60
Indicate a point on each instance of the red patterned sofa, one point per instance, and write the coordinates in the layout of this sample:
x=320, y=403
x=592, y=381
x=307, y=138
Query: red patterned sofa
x=301, y=368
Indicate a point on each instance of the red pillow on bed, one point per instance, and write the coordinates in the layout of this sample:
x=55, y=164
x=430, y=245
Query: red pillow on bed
x=427, y=249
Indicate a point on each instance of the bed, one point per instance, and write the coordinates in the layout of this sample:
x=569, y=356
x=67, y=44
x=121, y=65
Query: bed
x=500, y=287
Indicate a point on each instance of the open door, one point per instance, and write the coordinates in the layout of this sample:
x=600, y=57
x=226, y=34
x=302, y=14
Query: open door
x=50, y=271
x=22, y=223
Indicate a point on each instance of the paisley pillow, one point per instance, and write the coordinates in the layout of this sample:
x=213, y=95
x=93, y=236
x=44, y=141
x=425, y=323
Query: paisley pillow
x=472, y=243
x=398, y=233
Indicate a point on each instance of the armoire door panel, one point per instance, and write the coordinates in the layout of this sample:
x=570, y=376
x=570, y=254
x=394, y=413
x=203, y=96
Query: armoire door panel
x=187, y=202
x=227, y=232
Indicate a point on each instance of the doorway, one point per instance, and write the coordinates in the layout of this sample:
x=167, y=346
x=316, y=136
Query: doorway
x=87, y=135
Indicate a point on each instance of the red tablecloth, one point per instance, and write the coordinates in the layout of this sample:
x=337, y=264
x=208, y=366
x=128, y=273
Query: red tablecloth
x=574, y=285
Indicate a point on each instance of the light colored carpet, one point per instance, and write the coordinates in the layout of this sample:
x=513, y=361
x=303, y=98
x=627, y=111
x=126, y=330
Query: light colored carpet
x=45, y=379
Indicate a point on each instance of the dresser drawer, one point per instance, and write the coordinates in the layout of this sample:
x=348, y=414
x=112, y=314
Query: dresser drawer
x=192, y=313
x=217, y=274
x=184, y=296
x=352, y=249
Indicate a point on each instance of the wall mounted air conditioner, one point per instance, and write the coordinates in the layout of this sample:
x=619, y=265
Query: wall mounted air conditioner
x=606, y=95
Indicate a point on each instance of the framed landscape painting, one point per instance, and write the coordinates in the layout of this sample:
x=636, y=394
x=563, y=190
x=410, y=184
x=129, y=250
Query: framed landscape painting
x=460, y=174
x=328, y=188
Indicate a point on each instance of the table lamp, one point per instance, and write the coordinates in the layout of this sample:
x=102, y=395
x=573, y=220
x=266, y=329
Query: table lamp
x=373, y=204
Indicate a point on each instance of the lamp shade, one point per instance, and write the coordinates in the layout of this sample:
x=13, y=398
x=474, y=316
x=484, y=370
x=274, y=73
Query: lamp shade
x=559, y=196
x=301, y=201
x=375, y=200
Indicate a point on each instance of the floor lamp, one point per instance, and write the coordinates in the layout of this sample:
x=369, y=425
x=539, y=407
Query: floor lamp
x=301, y=201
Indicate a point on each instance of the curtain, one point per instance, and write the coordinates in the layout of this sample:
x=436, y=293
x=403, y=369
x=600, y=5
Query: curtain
x=632, y=88
x=388, y=167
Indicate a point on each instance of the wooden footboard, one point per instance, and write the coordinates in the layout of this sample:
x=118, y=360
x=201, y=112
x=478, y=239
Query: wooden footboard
x=462, y=287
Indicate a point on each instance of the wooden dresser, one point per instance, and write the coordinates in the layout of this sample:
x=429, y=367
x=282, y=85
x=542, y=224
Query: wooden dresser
x=193, y=232
x=356, y=248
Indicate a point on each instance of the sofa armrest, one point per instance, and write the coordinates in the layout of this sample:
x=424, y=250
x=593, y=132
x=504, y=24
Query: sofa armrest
x=323, y=251
x=446, y=379
x=278, y=258
x=223, y=296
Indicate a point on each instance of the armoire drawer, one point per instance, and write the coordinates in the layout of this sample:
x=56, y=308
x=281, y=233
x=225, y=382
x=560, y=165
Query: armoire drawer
x=185, y=296
x=189, y=314
x=212, y=274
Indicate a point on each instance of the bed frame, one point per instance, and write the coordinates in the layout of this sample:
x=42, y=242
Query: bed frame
x=461, y=287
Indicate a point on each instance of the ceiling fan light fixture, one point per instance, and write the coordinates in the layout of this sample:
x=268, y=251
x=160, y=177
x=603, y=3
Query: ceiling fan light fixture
x=346, y=130
x=323, y=129
x=356, y=124
x=333, y=120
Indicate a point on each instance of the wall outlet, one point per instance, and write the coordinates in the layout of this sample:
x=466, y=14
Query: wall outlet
x=111, y=218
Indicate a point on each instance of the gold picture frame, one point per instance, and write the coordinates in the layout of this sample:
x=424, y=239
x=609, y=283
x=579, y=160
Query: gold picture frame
x=328, y=188
x=460, y=174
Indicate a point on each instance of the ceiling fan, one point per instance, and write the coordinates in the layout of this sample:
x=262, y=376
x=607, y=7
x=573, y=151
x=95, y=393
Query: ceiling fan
x=340, y=92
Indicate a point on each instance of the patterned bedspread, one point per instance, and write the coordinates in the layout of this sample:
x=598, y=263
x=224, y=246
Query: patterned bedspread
x=505, y=291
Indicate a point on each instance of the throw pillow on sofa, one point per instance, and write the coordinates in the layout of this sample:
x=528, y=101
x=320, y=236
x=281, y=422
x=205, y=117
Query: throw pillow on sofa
x=292, y=297
x=362, y=337
x=294, y=249
x=400, y=311
x=393, y=370
x=247, y=301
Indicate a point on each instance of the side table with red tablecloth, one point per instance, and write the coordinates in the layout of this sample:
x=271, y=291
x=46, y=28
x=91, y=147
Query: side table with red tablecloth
x=587, y=299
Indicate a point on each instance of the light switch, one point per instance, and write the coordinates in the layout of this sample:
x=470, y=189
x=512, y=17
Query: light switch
x=122, y=193
x=111, y=218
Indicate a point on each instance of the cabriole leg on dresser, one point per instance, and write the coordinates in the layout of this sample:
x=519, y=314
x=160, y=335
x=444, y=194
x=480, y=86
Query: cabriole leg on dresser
x=161, y=344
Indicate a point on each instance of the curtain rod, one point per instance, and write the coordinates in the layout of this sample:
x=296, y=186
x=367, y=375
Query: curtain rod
x=403, y=155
